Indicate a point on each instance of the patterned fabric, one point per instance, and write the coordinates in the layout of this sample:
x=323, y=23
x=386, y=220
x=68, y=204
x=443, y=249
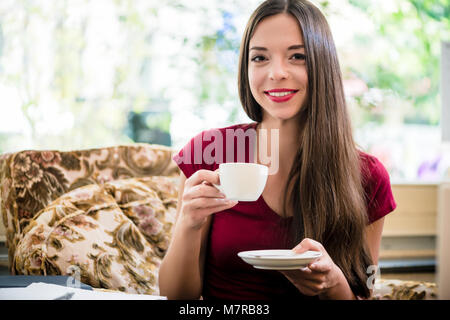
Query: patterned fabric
x=30, y=180
x=113, y=235
x=391, y=289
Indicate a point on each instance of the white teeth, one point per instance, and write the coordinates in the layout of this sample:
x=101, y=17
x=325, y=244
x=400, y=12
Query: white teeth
x=280, y=94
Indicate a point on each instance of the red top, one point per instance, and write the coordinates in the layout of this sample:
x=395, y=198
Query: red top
x=255, y=226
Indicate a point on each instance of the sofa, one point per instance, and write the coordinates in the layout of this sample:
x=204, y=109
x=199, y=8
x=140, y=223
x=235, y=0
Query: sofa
x=105, y=215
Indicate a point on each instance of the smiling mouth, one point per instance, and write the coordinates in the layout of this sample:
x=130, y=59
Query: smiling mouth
x=280, y=95
x=280, y=92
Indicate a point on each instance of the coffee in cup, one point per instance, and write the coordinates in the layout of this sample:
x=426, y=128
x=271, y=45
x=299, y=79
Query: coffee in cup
x=242, y=181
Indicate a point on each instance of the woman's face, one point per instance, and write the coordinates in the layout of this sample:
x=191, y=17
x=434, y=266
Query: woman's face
x=277, y=67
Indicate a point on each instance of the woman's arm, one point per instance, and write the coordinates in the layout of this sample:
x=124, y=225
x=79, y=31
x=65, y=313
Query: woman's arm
x=185, y=282
x=181, y=270
x=373, y=237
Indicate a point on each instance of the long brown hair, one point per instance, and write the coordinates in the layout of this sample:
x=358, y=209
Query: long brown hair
x=325, y=190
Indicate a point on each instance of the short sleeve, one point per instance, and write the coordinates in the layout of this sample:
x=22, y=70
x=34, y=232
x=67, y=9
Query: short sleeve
x=190, y=158
x=211, y=147
x=379, y=197
x=185, y=158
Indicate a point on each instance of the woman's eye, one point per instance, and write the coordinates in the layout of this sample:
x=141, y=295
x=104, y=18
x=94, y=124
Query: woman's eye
x=299, y=56
x=258, y=58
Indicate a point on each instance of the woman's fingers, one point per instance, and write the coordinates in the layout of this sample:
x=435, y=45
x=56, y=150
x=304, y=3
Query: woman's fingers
x=214, y=209
x=203, y=175
x=307, y=244
x=202, y=190
x=307, y=286
x=320, y=266
x=205, y=203
x=201, y=199
x=304, y=274
x=199, y=209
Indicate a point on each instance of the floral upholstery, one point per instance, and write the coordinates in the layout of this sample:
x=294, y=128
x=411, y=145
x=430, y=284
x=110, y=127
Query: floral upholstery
x=30, y=180
x=392, y=289
x=114, y=235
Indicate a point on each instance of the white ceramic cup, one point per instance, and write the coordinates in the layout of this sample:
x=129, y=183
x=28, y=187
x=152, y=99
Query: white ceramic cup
x=242, y=181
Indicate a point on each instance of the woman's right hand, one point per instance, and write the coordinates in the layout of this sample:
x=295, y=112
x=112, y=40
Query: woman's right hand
x=201, y=199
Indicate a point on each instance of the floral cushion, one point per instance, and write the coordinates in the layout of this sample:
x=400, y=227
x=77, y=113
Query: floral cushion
x=151, y=204
x=30, y=180
x=114, y=235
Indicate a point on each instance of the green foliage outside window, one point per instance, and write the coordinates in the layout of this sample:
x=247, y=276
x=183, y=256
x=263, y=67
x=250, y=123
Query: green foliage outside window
x=71, y=71
x=406, y=64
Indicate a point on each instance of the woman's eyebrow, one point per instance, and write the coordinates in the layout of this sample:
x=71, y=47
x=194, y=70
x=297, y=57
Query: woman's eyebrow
x=294, y=47
x=297, y=46
x=258, y=48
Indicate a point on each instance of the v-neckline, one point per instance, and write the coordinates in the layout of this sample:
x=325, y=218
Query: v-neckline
x=269, y=209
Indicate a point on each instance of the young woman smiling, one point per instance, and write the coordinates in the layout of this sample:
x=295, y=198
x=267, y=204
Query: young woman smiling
x=326, y=196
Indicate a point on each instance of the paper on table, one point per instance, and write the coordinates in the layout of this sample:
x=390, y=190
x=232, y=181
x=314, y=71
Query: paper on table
x=46, y=291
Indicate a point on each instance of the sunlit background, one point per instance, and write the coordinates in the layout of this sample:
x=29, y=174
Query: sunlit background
x=78, y=74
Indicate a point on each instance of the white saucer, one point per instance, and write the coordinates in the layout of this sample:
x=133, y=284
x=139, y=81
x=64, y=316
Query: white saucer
x=284, y=259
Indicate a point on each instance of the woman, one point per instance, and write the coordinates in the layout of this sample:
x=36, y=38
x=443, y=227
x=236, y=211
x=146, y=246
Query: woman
x=326, y=195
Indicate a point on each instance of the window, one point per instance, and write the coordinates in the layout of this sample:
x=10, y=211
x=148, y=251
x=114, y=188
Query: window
x=72, y=73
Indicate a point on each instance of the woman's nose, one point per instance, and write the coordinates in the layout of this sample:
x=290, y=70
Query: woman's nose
x=278, y=70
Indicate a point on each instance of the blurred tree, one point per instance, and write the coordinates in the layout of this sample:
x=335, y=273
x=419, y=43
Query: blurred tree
x=406, y=63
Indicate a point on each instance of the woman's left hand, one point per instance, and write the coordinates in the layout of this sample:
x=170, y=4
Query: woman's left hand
x=319, y=276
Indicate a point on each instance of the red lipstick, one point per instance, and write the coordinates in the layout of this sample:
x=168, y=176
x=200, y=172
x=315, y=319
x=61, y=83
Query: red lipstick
x=280, y=94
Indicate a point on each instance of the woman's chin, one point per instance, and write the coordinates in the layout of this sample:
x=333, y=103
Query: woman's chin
x=283, y=116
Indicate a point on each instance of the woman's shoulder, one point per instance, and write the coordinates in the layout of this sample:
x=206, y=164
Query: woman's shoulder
x=197, y=152
x=205, y=135
x=367, y=157
x=372, y=167
x=377, y=187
